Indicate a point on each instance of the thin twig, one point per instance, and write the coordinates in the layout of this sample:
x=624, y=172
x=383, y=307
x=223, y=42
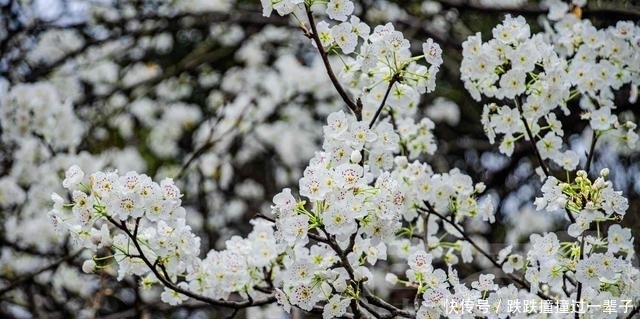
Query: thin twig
x=167, y=283
x=393, y=81
x=325, y=60
x=377, y=301
x=579, y=293
x=634, y=312
x=545, y=170
x=52, y=266
x=479, y=249
x=592, y=150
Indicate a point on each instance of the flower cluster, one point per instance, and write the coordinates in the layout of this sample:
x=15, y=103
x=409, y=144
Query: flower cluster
x=356, y=206
x=239, y=268
x=143, y=224
x=355, y=212
x=590, y=201
x=604, y=270
x=378, y=66
x=539, y=79
x=602, y=264
x=383, y=71
x=150, y=211
x=350, y=215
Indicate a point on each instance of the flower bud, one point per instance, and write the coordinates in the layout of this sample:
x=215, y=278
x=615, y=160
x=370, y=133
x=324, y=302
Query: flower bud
x=356, y=157
x=391, y=278
x=89, y=266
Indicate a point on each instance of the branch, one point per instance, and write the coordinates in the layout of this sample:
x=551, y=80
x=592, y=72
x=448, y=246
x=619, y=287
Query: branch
x=26, y=277
x=357, y=313
x=579, y=293
x=466, y=237
x=208, y=144
x=140, y=309
x=545, y=170
x=377, y=301
x=592, y=150
x=167, y=283
x=634, y=312
x=355, y=108
x=393, y=81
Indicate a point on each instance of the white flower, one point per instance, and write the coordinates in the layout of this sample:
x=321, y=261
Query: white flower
x=359, y=134
x=485, y=283
x=73, y=177
x=82, y=208
x=380, y=161
x=507, y=121
x=304, y=296
x=513, y=83
x=173, y=297
x=301, y=272
x=284, y=202
x=619, y=238
x=283, y=300
x=624, y=29
x=557, y=9
x=613, y=201
x=312, y=187
x=466, y=252
x=267, y=7
x=335, y=307
x=338, y=222
x=324, y=34
x=339, y=9
x=507, y=145
x=514, y=262
x=504, y=253
x=525, y=56
x=284, y=7
x=432, y=52
x=420, y=260
x=588, y=272
x=294, y=229
x=375, y=253
x=549, y=145
x=344, y=37
x=170, y=191
x=602, y=119
x=336, y=124
x=552, y=196
x=124, y=206
x=132, y=181
x=348, y=175
x=512, y=30
x=362, y=273
x=543, y=247
x=569, y=159
x=104, y=184
x=360, y=28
